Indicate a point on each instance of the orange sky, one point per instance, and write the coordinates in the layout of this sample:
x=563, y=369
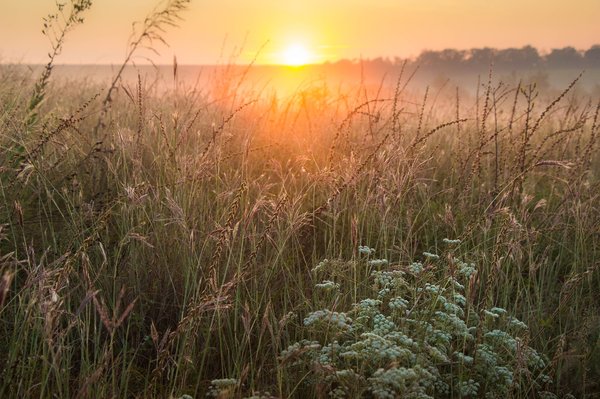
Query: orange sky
x=329, y=29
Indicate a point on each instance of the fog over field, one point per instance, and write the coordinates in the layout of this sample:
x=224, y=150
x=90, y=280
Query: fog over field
x=435, y=69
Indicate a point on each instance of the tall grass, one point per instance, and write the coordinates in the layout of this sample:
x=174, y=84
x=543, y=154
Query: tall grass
x=179, y=250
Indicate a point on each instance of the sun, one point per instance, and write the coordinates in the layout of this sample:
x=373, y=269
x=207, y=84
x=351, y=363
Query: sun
x=296, y=55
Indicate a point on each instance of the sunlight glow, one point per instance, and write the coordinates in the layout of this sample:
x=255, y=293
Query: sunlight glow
x=296, y=55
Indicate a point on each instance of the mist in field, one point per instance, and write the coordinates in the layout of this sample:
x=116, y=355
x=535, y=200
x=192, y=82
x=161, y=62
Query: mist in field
x=436, y=69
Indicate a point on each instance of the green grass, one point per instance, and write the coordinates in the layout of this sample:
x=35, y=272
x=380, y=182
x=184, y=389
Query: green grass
x=174, y=246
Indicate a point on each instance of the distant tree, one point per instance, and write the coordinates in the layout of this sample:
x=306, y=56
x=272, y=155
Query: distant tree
x=481, y=57
x=452, y=57
x=381, y=62
x=514, y=59
x=398, y=61
x=517, y=58
x=564, y=58
x=592, y=56
x=447, y=59
x=429, y=58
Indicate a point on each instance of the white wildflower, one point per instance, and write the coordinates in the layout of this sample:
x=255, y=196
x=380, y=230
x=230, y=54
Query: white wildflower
x=416, y=267
x=328, y=285
x=365, y=250
x=450, y=242
x=378, y=262
x=431, y=256
x=320, y=266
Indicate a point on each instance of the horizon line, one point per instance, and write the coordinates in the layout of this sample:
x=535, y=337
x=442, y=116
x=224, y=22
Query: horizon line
x=356, y=60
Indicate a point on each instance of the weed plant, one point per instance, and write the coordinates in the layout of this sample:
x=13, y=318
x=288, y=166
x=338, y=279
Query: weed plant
x=418, y=335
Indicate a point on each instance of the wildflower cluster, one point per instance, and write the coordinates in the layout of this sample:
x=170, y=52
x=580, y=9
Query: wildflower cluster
x=416, y=267
x=221, y=387
x=321, y=266
x=329, y=318
x=365, y=250
x=448, y=241
x=378, y=262
x=328, y=285
x=431, y=256
x=400, y=341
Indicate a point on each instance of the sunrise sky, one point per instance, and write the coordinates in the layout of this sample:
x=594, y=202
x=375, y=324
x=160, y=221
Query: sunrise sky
x=307, y=30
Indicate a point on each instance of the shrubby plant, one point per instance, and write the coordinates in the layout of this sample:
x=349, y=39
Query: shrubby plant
x=417, y=335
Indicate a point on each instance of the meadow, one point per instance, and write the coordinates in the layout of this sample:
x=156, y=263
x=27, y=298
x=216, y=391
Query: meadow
x=372, y=241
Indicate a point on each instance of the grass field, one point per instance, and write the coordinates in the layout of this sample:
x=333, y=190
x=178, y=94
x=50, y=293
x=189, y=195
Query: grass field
x=374, y=242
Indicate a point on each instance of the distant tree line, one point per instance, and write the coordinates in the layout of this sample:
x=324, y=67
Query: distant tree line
x=505, y=59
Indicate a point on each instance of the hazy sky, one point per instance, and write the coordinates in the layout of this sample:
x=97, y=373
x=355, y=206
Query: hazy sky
x=328, y=29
